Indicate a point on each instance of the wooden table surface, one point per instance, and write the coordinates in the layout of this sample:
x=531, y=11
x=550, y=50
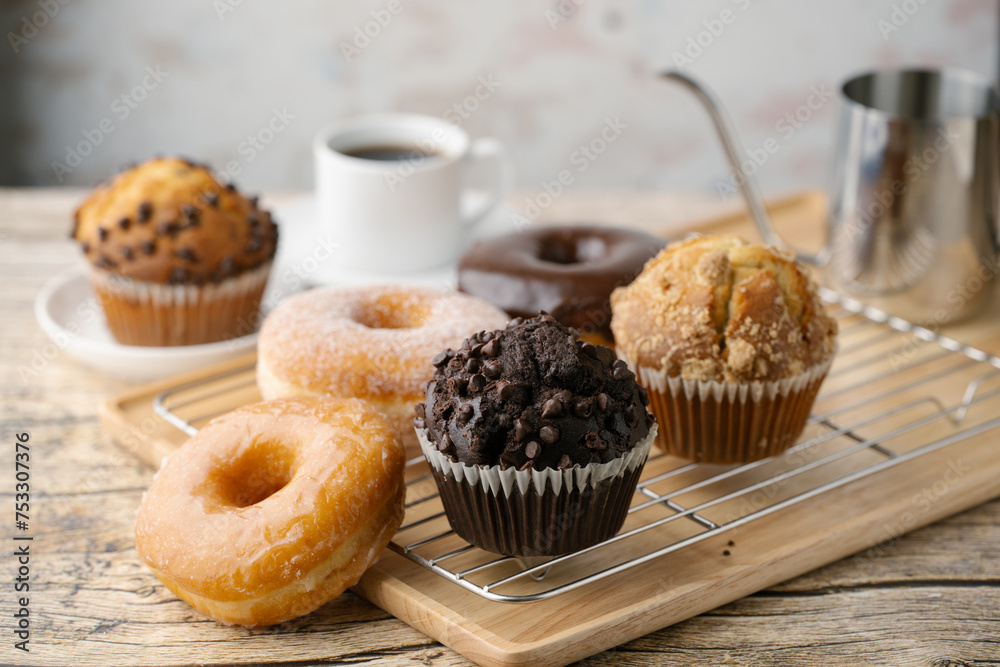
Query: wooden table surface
x=931, y=597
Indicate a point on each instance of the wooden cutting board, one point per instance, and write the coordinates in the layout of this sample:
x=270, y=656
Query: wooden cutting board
x=888, y=386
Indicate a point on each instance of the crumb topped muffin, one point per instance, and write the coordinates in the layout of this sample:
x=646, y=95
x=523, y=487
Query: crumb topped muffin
x=717, y=309
x=166, y=225
x=520, y=424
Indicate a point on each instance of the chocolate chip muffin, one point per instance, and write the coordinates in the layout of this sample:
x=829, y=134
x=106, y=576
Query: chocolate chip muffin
x=536, y=439
x=732, y=342
x=177, y=258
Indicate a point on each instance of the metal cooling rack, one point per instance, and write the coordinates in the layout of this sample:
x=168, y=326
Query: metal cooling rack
x=933, y=392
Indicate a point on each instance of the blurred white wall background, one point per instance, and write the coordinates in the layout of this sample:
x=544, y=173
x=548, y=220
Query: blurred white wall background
x=203, y=76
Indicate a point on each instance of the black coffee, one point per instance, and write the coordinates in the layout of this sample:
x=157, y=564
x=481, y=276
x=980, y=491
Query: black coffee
x=389, y=153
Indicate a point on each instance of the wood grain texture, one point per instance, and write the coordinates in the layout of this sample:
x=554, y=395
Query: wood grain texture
x=931, y=597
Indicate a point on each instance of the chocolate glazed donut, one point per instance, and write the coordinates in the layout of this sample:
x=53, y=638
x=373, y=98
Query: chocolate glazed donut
x=569, y=272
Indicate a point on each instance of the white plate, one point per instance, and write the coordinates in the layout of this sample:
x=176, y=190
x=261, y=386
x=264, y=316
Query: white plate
x=71, y=315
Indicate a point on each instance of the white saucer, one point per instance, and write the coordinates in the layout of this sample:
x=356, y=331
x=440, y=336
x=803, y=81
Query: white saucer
x=303, y=261
x=71, y=315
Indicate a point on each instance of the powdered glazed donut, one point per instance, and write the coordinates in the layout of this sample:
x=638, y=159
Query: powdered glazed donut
x=375, y=342
x=275, y=508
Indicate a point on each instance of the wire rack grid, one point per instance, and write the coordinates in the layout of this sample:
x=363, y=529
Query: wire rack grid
x=896, y=392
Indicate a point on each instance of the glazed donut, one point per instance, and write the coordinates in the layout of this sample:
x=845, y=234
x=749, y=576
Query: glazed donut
x=374, y=342
x=568, y=272
x=273, y=509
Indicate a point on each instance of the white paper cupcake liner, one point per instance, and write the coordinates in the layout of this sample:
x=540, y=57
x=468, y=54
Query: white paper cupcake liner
x=535, y=513
x=497, y=481
x=145, y=313
x=727, y=422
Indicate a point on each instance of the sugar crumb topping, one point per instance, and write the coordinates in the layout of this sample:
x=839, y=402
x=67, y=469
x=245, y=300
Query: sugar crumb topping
x=719, y=308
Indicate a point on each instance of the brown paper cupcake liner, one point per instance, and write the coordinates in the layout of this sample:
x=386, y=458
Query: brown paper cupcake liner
x=151, y=314
x=725, y=422
x=544, y=512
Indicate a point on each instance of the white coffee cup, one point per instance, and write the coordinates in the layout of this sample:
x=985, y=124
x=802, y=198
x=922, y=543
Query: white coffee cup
x=407, y=214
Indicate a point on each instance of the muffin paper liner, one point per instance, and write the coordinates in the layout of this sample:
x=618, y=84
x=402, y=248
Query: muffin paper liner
x=152, y=314
x=545, y=512
x=727, y=422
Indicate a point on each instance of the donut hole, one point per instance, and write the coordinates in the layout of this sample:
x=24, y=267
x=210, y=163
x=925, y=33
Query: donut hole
x=565, y=249
x=390, y=311
x=261, y=471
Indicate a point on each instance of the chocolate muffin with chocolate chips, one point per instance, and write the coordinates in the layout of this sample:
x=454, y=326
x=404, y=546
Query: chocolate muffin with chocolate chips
x=177, y=258
x=535, y=438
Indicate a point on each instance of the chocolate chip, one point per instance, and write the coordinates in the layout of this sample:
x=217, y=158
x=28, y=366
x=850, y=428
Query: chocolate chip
x=419, y=423
x=631, y=416
x=621, y=373
x=565, y=462
x=552, y=408
x=507, y=390
x=485, y=336
x=230, y=187
x=528, y=465
x=465, y=412
x=253, y=219
x=439, y=360
x=102, y=234
x=212, y=199
x=253, y=245
x=457, y=386
x=444, y=444
x=420, y=410
x=190, y=212
x=126, y=252
x=726, y=552
x=594, y=441
x=145, y=213
x=124, y=223
x=187, y=254
x=603, y=402
x=477, y=382
x=517, y=321
x=491, y=370
x=583, y=408
x=589, y=349
x=178, y=275
x=549, y=434
x=522, y=429
x=106, y=262
x=476, y=350
x=148, y=247
x=492, y=348
x=472, y=365
x=532, y=450
x=168, y=229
